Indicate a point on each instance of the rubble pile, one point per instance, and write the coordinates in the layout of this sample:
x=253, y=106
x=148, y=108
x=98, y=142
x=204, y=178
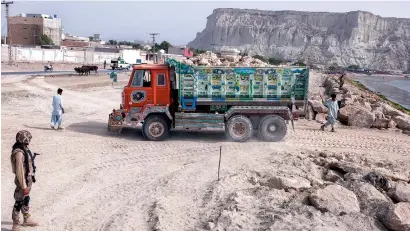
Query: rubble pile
x=210, y=59
x=358, y=108
x=333, y=190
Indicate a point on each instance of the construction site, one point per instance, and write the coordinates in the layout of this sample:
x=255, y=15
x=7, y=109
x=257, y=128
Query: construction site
x=207, y=142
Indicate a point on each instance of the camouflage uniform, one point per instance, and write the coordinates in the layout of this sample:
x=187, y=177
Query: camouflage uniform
x=22, y=180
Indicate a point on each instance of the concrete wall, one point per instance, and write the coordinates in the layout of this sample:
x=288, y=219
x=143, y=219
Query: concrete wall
x=28, y=54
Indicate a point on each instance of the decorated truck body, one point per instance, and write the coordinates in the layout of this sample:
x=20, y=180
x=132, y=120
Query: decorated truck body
x=240, y=101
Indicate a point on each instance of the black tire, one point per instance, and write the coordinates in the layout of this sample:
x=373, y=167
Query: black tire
x=155, y=124
x=142, y=131
x=238, y=128
x=272, y=128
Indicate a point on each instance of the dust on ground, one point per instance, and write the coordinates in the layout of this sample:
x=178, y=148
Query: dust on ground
x=89, y=180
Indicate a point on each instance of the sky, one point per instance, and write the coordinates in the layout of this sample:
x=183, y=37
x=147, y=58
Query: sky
x=176, y=22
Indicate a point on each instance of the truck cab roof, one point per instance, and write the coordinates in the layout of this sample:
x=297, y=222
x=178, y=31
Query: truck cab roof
x=150, y=66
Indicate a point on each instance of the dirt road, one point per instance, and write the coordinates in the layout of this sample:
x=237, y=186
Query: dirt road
x=88, y=180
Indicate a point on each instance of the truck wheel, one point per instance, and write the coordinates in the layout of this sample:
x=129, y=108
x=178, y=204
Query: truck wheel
x=239, y=128
x=155, y=128
x=272, y=128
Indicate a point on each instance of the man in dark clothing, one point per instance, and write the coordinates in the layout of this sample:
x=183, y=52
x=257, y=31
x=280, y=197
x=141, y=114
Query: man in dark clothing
x=342, y=81
x=22, y=163
x=105, y=63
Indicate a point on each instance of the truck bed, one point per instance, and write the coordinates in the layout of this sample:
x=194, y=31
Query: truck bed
x=240, y=85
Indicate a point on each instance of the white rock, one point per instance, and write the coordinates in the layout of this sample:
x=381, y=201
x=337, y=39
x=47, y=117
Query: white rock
x=381, y=123
x=403, y=122
x=400, y=192
x=210, y=225
x=397, y=217
x=335, y=199
x=389, y=110
x=318, y=106
x=291, y=182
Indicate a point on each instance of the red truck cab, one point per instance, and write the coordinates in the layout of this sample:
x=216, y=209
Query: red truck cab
x=149, y=85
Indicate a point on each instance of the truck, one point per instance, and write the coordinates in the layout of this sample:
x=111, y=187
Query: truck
x=119, y=64
x=240, y=101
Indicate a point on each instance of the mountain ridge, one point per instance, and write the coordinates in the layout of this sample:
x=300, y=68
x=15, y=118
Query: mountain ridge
x=355, y=37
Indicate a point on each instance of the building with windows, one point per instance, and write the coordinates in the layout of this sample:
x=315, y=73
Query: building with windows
x=26, y=29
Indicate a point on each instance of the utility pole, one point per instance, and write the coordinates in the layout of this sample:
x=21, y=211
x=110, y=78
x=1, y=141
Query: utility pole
x=153, y=41
x=8, y=29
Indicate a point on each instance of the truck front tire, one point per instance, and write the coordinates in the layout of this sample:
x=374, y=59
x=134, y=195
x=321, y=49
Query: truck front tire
x=239, y=128
x=155, y=128
x=272, y=128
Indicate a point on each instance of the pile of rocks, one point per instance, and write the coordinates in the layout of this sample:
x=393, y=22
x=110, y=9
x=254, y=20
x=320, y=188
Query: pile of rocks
x=330, y=190
x=359, y=108
x=210, y=59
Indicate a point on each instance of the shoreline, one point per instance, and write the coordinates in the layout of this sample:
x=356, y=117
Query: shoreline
x=392, y=103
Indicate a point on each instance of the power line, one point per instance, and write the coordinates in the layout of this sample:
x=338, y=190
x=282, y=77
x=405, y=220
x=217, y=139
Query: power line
x=8, y=29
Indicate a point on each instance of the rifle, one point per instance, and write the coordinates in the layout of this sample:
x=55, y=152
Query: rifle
x=34, y=170
x=35, y=154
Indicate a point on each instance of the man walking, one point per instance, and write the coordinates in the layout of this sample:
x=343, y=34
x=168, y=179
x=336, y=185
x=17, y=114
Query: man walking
x=105, y=63
x=332, y=109
x=22, y=163
x=58, y=110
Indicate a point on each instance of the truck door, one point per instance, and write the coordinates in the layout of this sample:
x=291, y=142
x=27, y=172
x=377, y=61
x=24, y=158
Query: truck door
x=161, y=89
x=140, y=90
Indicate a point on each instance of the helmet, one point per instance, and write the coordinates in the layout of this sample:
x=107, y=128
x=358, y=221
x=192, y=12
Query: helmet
x=23, y=137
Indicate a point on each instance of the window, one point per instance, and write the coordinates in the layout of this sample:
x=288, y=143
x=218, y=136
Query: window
x=141, y=78
x=161, y=79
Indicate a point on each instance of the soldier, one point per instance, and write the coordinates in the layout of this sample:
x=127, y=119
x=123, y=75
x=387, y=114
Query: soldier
x=22, y=163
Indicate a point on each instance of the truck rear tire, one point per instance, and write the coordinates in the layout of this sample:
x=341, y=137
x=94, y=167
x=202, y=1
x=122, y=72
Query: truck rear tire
x=155, y=128
x=239, y=128
x=272, y=128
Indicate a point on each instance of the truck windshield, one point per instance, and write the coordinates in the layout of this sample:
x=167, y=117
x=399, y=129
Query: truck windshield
x=141, y=78
x=138, y=78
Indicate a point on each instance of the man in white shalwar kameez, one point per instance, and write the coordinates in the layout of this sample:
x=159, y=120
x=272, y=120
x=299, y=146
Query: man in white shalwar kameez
x=332, y=110
x=58, y=110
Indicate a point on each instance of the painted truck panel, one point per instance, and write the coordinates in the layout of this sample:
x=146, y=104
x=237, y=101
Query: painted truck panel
x=229, y=84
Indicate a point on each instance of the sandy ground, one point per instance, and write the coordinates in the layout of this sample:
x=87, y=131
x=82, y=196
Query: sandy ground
x=88, y=180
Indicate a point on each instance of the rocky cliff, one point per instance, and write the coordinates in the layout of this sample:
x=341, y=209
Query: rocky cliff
x=357, y=37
